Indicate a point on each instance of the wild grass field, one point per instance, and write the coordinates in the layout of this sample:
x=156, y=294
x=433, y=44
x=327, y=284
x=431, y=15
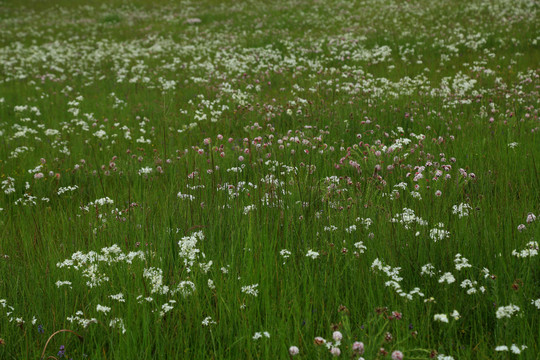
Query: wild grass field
x=269, y=179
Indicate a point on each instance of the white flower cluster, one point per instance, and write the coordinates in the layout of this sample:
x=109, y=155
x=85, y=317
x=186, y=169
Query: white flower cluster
x=513, y=348
x=188, y=248
x=438, y=233
x=145, y=171
x=461, y=262
x=530, y=250
x=407, y=218
x=155, y=275
x=8, y=185
x=444, y=318
x=62, y=190
x=393, y=274
x=78, y=318
x=259, y=335
x=470, y=285
x=428, y=270
x=185, y=196
x=251, y=290
x=208, y=321
x=118, y=323
x=506, y=311
x=447, y=278
x=461, y=210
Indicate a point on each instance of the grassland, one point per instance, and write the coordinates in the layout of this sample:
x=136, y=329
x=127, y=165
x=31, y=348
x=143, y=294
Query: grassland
x=253, y=180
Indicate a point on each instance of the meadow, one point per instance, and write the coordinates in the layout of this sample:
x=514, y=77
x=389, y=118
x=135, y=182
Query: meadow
x=269, y=180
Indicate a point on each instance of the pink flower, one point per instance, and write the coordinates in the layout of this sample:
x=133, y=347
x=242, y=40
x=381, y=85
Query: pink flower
x=358, y=347
x=38, y=176
x=397, y=355
x=530, y=218
x=240, y=158
x=337, y=336
x=335, y=351
x=293, y=350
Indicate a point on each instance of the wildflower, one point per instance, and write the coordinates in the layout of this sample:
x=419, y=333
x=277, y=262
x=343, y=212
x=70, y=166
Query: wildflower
x=118, y=323
x=455, y=315
x=145, y=171
x=103, y=309
x=461, y=262
x=397, y=355
x=335, y=351
x=444, y=357
x=62, y=283
x=428, y=269
x=118, y=297
x=506, y=311
x=208, y=321
x=358, y=347
x=61, y=352
x=461, y=210
x=448, y=278
x=337, y=336
x=516, y=350
x=259, y=335
x=251, y=290
x=530, y=218
x=441, y=317
x=293, y=350
x=312, y=254
x=530, y=251
x=521, y=227
x=319, y=341
x=501, y=348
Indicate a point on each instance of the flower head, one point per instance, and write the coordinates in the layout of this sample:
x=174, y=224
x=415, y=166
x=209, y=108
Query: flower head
x=293, y=350
x=337, y=336
x=358, y=347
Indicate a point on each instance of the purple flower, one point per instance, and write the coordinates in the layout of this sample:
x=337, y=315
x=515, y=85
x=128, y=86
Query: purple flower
x=61, y=352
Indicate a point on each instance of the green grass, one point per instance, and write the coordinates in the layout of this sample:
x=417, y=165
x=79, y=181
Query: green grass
x=269, y=132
